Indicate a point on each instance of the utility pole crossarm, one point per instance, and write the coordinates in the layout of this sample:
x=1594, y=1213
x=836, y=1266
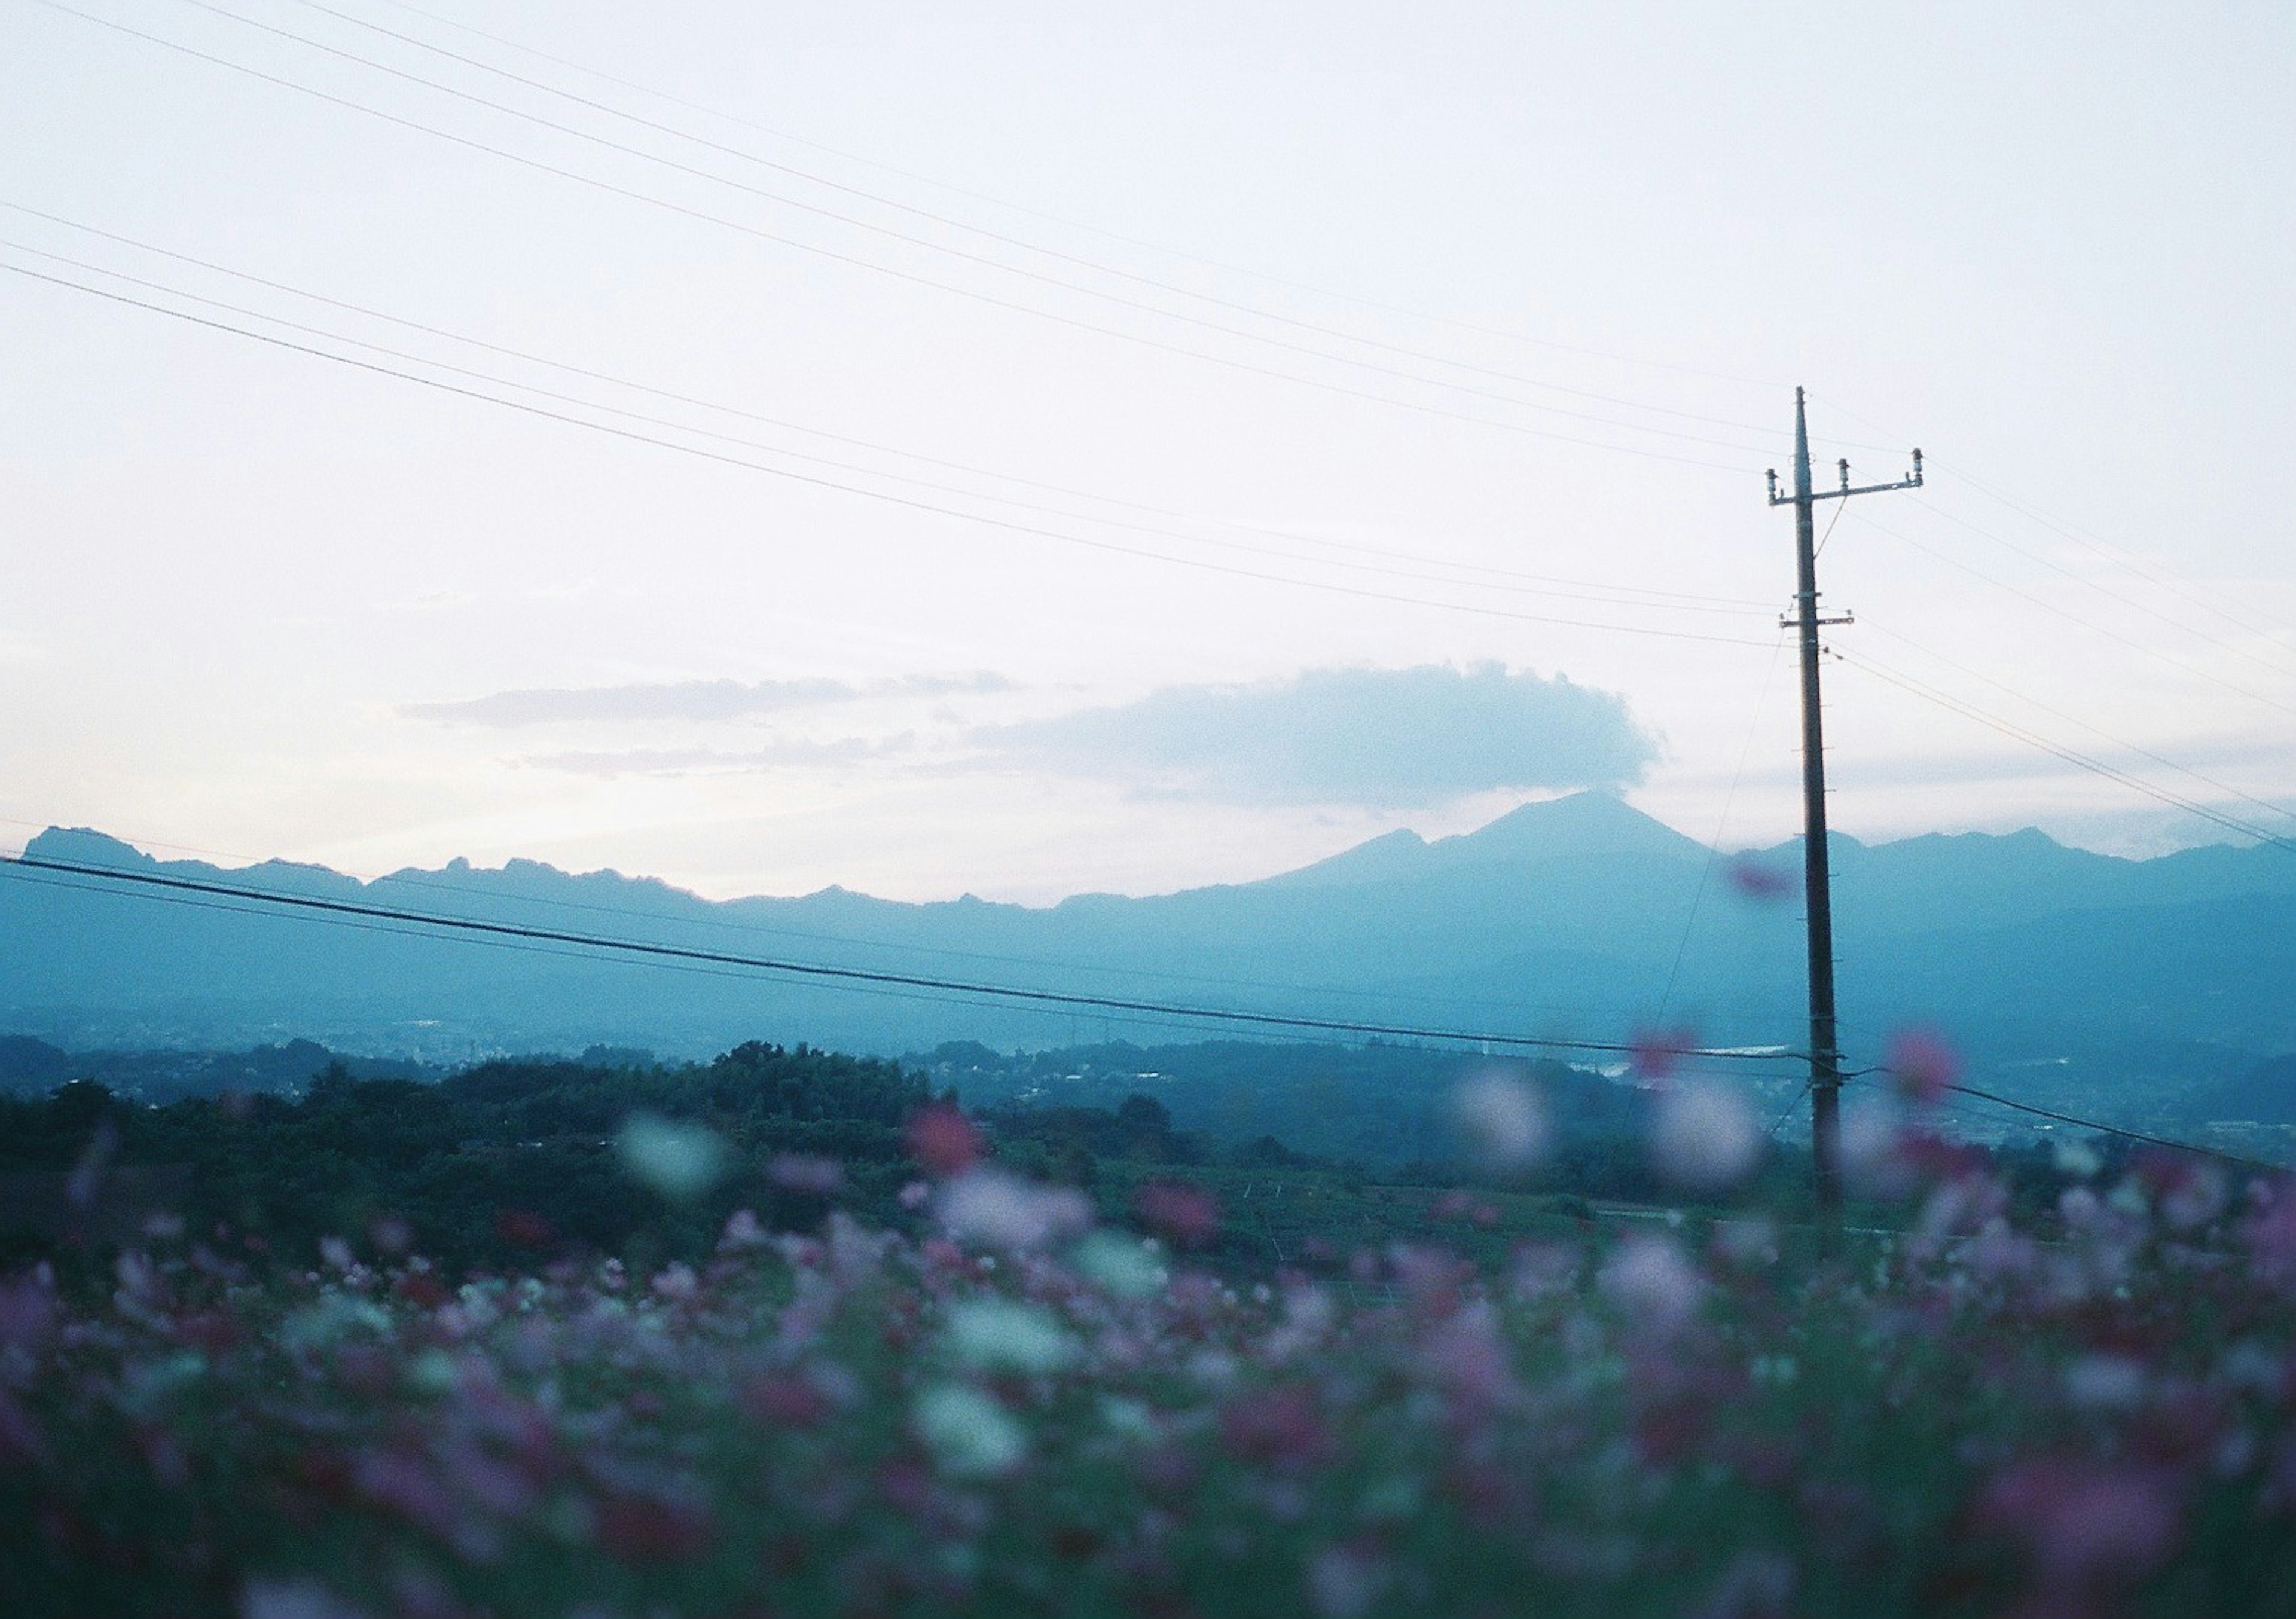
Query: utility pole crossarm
x=1824, y=1047
x=1911, y=480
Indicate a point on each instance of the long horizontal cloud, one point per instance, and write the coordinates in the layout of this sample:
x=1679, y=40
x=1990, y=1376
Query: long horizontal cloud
x=786, y=754
x=684, y=700
x=1381, y=737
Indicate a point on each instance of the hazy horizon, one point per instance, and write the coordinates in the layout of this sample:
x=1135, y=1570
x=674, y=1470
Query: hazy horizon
x=1206, y=414
x=243, y=859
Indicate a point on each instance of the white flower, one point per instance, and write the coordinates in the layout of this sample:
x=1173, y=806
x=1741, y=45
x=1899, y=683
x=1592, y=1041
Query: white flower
x=679, y=1160
x=294, y=1599
x=968, y=1433
x=1704, y=1136
x=1502, y=1120
x=1000, y=1334
x=1122, y=1267
x=2105, y=1382
x=993, y=1209
x=1650, y=1279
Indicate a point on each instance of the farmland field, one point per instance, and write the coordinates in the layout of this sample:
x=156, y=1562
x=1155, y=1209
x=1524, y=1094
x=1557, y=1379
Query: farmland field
x=1011, y=1403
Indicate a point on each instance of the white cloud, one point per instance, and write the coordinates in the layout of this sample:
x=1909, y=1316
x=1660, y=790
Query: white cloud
x=793, y=753
x=683, y=700
x=1385, y=737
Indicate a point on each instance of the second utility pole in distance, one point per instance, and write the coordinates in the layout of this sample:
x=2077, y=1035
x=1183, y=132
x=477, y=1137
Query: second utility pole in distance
x=1817, y=879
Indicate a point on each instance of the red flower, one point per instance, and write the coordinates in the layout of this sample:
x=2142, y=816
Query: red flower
x=1654, y=1053
x=422, y=1288
x=1757, y=881
x=783, y=1400
x=1277, y=1427
x=647, y=1529
x=1187, y=1215
x=522, y=1228
x=943, y=1140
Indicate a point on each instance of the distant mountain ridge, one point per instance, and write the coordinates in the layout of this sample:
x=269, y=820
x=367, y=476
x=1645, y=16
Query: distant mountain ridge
x=1576, y=916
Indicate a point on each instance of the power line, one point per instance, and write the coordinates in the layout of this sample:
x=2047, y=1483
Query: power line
x=2160, y=759
x=1654, y=597
x=644, y=949
x=917, y=996
x=711, y=963
x=1096, y=265
x=2097, y=767
x=669, y=99
x=1615, y=596
x=633, y=436
x=2126, y=1134
x=2128, y=559
x=2046, y=605
x=1714, y=849
x=975, y=294
x=2219, y=642
x=698, y=970
x=431, y=883
x=2066, y=530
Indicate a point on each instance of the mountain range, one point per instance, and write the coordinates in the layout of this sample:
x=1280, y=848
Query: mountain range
x=2150, y=985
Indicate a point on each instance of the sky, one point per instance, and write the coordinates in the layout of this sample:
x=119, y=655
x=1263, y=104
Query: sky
x=1026, y=450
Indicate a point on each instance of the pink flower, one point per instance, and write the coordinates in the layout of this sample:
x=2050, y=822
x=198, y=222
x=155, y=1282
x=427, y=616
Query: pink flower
x=784, y=1400
x=1467, y=1356
x=2190, y=1190
x=20, y=1436
x=27, y=1312
x=2085, y=1527
x=2270, y=1234
x=402, y=1482
x=1922, y=1066
x=804, y=1174
x=1429, y=1276
x=992, y=1209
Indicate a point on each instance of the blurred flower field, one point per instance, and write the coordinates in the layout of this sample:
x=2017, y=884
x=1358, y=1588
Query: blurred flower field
x=1012, y=1404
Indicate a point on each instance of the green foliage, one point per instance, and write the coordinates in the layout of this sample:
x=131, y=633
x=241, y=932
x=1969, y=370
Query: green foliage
x=502, y=1164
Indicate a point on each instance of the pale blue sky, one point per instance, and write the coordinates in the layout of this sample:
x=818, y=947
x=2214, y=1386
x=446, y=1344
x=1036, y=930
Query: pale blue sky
x=2054, y=249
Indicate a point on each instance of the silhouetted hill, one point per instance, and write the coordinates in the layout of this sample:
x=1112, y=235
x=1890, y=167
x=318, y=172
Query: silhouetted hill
x=29, y=1065
x=2266, y=1094
x=2069, y=972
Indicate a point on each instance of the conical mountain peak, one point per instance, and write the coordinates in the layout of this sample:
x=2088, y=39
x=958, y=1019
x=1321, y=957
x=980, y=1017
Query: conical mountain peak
x=1580, y=826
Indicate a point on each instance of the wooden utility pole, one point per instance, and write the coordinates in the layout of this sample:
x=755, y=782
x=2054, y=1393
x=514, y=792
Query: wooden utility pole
x=1817, y=876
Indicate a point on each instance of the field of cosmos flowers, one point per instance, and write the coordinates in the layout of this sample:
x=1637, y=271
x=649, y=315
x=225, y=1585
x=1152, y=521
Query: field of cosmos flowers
x=994, y=1395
